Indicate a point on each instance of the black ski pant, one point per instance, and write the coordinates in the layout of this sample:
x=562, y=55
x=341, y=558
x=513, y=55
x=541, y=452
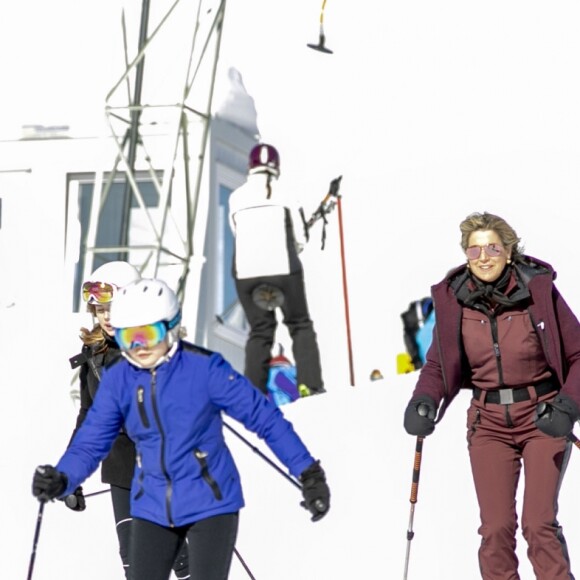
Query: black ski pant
x=263, y=329
x=123, y=521
x=210, y=544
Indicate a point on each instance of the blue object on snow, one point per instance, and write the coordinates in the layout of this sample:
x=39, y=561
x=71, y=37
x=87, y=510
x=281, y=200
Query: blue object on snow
x=282, y=387
x=424, y=335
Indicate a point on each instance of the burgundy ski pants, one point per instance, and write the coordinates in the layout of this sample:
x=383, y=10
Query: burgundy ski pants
x=501, y=438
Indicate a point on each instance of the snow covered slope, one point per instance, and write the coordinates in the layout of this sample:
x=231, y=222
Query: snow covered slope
x=430, y=111
x=356, y=432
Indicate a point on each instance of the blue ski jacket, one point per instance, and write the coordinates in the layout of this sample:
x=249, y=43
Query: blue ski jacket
x=185, y=471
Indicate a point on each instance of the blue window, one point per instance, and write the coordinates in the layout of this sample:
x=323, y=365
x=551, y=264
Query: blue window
x=109, y=228
x=226, y=253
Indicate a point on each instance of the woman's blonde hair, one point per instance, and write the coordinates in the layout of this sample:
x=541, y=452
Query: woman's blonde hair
x=94, y=337
x=487, y=221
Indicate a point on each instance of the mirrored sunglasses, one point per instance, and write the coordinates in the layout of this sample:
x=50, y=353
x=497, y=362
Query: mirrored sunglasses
x=147, y=336
x=98, y=292
x=491, y=250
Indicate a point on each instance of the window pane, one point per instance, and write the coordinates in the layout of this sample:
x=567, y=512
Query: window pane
x=109, y=227
x=229, y=288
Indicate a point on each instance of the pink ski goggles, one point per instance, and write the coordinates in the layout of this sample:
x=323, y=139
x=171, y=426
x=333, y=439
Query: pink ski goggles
x=491, y=250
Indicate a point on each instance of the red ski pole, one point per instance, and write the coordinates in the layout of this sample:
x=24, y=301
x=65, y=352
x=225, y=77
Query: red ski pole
x=345, y=290
x=331, y=199
x=413, y=500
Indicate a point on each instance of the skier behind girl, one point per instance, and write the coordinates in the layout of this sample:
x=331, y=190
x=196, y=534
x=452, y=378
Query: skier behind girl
x=99, y=349
x=264, y=220
x=170, y=396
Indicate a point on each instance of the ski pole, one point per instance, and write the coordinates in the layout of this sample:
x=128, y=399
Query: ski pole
x=345, y=289
x=325, y=207
x=332, y=199
x=574, y=439
x=35, y=541
x=96, y=493
x=246, y=568
x=413, y=500
x=264, y=457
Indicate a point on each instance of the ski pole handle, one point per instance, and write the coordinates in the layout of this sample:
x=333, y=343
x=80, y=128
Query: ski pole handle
x=327, y=204
x=416, y=469
x=571, y=437
x=334, y=186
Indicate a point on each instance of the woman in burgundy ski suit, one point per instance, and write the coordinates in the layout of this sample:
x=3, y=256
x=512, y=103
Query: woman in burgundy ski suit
x=504, y=331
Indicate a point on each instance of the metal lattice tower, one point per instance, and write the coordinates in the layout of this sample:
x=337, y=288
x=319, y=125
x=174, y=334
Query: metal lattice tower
x=159, y=112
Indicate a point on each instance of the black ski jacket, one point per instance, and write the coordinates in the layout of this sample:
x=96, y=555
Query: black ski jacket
x=117, y=468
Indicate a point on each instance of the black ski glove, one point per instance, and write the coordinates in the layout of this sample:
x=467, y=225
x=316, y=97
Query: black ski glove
x=420, y=416
x=76, y=500
x=315, y=491
x=557, y=417
x=48, y=483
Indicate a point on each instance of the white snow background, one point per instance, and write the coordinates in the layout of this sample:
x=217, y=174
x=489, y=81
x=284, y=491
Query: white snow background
x=429, y=110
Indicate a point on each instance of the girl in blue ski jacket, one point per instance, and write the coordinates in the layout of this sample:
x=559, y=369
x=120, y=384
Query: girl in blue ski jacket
x=169, y=396
x=99, y=349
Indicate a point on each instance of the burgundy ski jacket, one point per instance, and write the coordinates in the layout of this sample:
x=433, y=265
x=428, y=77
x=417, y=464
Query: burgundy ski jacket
x=446, y=372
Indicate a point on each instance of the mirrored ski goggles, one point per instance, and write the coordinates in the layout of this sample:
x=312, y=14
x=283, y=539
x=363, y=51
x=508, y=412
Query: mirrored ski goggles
x=491, y=250
x=147, y=336
x=98, y=292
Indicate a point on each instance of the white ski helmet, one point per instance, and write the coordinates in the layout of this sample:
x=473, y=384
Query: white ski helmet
x=146, y=301
x=116, y=273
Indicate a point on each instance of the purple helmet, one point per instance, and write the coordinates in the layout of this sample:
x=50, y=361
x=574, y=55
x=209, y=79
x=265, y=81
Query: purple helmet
x=264, y=159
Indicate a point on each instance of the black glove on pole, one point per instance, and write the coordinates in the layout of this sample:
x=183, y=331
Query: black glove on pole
x=315, y=491
x=557, y=417
x=48, y=483
x=76, y=500
x=420, y=416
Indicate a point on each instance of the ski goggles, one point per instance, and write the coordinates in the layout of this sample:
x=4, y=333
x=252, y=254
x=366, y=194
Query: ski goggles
x=98, y=292
x=147, y=336
x=491, y=250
